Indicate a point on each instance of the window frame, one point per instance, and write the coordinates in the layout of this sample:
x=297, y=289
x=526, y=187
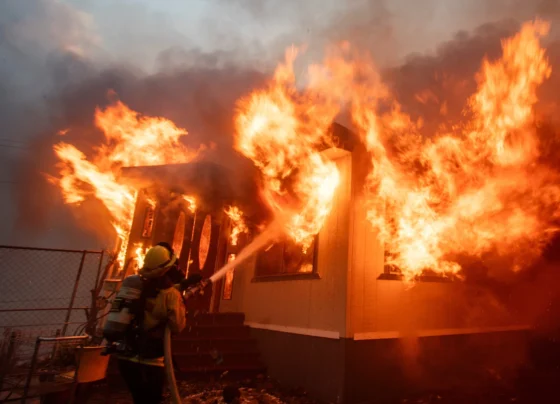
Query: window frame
x=290, y=276
x=393, y=273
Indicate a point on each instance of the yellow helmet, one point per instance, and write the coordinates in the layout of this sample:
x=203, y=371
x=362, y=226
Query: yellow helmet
x=157, y=262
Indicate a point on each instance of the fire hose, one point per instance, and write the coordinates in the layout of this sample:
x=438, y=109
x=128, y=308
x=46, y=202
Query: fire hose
x=168, y=356
x=259, y=242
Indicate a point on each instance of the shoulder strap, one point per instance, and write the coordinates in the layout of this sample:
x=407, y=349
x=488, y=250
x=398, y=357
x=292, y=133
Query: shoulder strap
x=141, y=306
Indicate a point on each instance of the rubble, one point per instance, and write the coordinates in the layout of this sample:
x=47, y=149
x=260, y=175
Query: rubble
x=257, y=391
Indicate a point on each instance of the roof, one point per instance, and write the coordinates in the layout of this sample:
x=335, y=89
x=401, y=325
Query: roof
x=211, y=183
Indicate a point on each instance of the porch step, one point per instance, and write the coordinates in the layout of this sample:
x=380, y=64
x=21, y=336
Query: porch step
x=196, y=332
x=215, y=345
x=201, y=345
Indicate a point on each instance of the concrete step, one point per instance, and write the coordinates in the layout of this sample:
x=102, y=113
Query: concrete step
x=195, y=332
x=207, y=345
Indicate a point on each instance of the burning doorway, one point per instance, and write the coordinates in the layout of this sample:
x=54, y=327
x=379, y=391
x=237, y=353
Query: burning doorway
x=183, y=205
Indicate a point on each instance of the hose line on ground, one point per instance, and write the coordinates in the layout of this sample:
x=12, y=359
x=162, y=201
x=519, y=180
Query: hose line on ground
x=168, y=357
x=259, y=242
x=170, y=373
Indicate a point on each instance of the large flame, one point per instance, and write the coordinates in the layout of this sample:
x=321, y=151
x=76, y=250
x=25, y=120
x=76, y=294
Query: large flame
x=480, y=187
x=477, y=189
x=130, y=140
x=281, y=130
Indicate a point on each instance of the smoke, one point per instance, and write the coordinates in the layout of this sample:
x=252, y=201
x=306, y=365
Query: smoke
x=55, y=77
x=32, y=36
x=59, y=68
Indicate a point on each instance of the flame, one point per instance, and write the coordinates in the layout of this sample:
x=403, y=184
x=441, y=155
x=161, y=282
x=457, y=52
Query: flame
x=281, y=130
x=130, y=140
x=239, y=226
x=140, y=254
x=479, y=187
x=191, y=202
x=476, y=189
x=152, y=201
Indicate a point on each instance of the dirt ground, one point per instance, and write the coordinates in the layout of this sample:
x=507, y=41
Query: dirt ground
x=197, y=392
x=538, y=390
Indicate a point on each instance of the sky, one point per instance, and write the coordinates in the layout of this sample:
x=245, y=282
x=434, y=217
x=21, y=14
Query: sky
x=264, y=27
x=148, y=36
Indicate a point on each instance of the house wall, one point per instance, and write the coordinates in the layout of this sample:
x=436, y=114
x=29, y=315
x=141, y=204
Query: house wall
x=379, y=309
x=350, y=337
x=304, y=306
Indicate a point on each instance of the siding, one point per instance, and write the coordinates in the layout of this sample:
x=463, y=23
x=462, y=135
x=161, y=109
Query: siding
x=389, y=308
x=315, y=305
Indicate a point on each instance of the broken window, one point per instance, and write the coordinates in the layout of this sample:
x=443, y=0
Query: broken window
x=286, y=258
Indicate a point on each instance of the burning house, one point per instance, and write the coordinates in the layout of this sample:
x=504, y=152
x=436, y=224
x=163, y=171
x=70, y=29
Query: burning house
x=335, y=317
x=355, y=287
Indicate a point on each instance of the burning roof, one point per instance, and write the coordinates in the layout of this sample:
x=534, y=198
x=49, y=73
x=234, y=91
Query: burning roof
x=205, y=179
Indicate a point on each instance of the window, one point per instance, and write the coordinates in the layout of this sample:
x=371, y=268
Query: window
x=390, y=269
x=148, y=222
x=179, y=235
x=204, y=244
x=286, y=259
x=393, y=272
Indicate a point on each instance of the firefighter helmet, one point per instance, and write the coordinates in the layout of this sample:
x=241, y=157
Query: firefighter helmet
x=157, y=262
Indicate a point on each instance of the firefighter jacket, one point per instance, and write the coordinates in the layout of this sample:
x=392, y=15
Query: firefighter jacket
x=167, y=308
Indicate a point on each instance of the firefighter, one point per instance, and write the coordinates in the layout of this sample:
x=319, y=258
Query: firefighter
x=160, y=305
x=175, y=274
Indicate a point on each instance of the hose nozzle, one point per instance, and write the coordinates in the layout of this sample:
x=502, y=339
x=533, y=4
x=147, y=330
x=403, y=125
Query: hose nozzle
x=196, y=289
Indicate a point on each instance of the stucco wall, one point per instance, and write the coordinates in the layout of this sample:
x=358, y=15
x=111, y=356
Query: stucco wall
x=312, y=306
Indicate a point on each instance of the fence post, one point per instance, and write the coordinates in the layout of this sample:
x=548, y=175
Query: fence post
x=99, y=269
x=8, y=359
x=74, y=292
x=54, y=352
x=31, y=370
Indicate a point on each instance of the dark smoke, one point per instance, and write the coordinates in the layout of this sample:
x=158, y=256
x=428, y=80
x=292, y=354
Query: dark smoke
x=200, y=99
x=31, y=36
x=198, y=90
x=53, y=71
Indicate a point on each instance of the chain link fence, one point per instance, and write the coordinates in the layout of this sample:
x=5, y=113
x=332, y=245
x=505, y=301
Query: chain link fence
x=43, y=292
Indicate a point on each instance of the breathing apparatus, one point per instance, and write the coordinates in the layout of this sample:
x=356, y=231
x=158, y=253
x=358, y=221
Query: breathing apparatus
x=128, y=302
x=194, y=286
